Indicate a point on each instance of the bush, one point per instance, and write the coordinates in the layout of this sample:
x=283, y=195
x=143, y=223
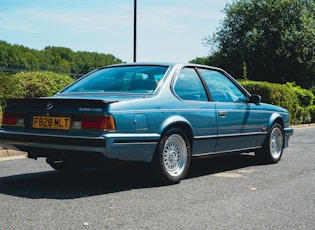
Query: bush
x=306, y=97
x=312, y=113
x=303, y=115
x=298, y=101
x=276, y=94
x=31, y=84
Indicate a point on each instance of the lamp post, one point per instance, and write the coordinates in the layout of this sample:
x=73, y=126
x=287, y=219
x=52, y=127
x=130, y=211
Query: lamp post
x=135, y=32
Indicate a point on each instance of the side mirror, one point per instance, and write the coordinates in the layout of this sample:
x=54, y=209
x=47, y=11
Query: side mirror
x=254, y=98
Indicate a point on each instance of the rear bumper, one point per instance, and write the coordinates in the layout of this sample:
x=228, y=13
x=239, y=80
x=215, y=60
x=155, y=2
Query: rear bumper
x=287, y=133
x=25, y=141
x=130, y=147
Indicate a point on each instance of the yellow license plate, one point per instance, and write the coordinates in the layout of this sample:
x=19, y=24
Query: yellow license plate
x=42, y=122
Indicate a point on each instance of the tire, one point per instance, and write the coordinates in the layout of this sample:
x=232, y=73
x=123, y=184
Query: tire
x=273, y=145
x=172, y=157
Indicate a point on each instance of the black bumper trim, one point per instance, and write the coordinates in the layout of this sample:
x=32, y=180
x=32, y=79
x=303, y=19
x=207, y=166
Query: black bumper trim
x=16, y=138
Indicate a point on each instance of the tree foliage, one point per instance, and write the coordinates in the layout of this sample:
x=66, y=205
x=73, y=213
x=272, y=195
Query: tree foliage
x=15, y=58
x=273, y=40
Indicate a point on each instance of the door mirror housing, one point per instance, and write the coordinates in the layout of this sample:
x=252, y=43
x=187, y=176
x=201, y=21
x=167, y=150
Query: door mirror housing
x=254, y=98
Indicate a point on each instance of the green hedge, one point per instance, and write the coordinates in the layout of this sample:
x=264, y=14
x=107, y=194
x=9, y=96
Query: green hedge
x=305, y=111
x=312, y=112
x=306, y=97
x=31, y=84
x=298, y=101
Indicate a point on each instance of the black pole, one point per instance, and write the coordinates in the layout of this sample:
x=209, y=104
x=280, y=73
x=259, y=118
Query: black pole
x=135, y=32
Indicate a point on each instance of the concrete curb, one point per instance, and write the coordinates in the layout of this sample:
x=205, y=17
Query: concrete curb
x=304, y=126
x=11, y=153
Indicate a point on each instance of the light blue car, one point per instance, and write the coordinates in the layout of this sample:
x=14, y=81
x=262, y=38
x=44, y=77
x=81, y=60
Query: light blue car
x=159, y=113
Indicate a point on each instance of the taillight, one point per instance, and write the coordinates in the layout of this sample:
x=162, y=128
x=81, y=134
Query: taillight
x=93, y=122
x=16, y=119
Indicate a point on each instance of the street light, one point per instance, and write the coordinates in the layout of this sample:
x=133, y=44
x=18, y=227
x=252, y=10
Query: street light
x=135, y=32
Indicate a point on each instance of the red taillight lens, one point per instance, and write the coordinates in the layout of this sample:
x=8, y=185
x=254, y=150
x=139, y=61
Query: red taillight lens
x=13, y=119
x=93, y=122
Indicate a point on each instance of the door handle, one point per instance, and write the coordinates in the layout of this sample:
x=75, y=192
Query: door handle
x=222, y=113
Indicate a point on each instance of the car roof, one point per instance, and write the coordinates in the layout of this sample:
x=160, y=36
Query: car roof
x=170, y=64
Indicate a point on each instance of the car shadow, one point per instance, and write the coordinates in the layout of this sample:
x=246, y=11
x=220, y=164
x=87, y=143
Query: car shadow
x=55, y=185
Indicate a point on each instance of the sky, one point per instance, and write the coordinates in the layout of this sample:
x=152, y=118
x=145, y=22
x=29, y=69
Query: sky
x=167, y=30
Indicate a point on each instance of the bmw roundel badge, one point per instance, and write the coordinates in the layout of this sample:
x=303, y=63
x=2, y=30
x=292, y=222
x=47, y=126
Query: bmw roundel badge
x=49, y=106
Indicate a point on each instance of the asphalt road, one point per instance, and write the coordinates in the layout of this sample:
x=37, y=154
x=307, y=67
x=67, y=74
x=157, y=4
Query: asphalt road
x=223, y=193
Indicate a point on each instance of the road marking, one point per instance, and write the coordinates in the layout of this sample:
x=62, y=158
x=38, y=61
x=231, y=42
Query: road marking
x=237, y=174
x=247, y=170
x=228, y=175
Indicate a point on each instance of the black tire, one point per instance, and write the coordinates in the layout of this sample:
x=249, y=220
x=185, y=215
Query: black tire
x=172, y=157
x=272, y=148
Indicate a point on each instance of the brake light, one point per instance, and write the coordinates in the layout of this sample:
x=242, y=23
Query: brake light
x=93, y=122
x=13, y=119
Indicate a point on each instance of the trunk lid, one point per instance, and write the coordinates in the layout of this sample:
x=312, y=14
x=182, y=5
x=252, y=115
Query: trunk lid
x=40, y=114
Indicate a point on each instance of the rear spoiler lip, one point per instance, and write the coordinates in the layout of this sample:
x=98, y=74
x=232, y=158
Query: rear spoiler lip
x=59, y=101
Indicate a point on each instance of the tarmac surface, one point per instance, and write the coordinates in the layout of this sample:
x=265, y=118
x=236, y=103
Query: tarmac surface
x=230, y=192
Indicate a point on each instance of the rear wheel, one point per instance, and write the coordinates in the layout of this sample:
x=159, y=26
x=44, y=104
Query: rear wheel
x=272, y=148
x=172, y=157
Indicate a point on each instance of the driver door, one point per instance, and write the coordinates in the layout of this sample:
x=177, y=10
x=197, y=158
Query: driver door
x=237, y=122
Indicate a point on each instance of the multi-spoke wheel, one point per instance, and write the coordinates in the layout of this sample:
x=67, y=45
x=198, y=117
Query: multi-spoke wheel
x=272, y=148
x=173, y=156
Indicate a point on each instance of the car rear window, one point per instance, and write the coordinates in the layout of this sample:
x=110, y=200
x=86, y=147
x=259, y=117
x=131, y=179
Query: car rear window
x=134, y=79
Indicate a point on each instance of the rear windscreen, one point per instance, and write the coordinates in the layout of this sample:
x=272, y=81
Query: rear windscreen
x=137, y=79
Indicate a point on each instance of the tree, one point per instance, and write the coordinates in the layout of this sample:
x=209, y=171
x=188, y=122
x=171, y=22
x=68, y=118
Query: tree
x=16, y=58
x=272, y=40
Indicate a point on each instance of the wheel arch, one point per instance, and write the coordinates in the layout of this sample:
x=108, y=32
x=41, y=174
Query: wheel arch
x=275, y=117
x=172, y=155
x=180, y=123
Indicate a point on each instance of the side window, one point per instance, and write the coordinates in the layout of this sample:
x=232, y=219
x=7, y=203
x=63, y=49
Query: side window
x=222, y=89
x=188, y=86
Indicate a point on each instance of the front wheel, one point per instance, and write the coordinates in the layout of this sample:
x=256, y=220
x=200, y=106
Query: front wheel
x=172, y=158
x=272, y=148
